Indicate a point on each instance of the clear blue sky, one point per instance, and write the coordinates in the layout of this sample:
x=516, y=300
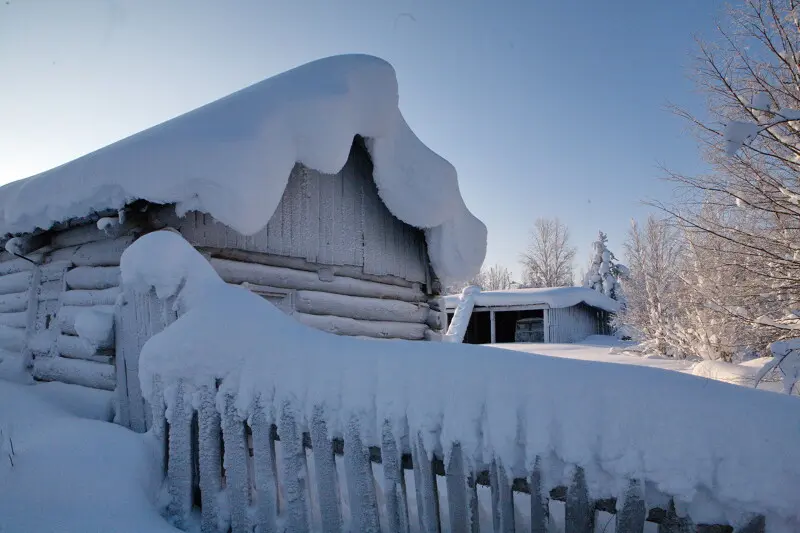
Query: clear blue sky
x=545, y=108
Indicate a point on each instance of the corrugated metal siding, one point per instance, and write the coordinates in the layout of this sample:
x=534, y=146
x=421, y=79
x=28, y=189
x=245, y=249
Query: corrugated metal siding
x=574, y=324
x=329, y=220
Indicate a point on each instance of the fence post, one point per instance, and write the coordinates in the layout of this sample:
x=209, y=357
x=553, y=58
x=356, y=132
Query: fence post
x=579, y=511
x=179, y=469
x=396, y=501
x=294, y=470
x=360, y=485
x=266, y=485
x=427, y=493
x=540, y=511
x=630, y=519
x=235, y=456
x=208, y=422
x=327, y=479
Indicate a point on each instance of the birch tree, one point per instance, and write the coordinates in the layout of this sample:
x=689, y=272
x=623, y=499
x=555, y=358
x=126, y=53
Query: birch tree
x=549, y=256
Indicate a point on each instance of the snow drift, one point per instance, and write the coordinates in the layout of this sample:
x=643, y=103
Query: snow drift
x=722, y=451
x=232, y=159
x=71, y=474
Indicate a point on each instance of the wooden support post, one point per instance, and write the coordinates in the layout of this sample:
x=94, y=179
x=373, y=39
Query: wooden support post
x=494, y=330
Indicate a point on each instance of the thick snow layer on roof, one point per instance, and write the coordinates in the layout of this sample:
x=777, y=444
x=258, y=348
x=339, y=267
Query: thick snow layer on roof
x=721, y=450
x=232, y=159
x=555, y=297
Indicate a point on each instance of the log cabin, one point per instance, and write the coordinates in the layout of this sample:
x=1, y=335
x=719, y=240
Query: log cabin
x=308, y=188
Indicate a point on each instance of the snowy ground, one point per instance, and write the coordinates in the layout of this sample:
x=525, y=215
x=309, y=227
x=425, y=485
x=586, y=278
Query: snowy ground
x=73, y=470
x=610, y=350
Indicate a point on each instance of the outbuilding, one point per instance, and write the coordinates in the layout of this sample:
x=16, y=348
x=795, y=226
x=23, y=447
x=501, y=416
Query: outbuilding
x=553, y=315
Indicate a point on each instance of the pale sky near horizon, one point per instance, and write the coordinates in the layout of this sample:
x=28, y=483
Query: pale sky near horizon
x=545, y=108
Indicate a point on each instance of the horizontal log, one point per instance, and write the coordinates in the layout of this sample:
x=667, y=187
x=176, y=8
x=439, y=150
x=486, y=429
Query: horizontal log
x=296, y=263
x=434, y=336
x=74, y=372
x=98, y=253
x=78, y=348
x=15, y=265
x=92, y=278
x=14, y=320
x=363, y=328
x=286, y=278
x=84, y=298
x=11, y=303
x=16, y=282
x=359, y=307
x=434, y=319
x=12, y=339
x=66, y=315
x=89, y=232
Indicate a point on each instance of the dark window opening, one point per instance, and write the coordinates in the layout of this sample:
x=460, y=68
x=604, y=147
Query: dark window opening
x=519, y=326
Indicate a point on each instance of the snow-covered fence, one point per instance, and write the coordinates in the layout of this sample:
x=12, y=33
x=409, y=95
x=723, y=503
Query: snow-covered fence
x=268, y=424
x=251, y=470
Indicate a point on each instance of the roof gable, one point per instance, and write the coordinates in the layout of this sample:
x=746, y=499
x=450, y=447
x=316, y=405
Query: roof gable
x=232, y=159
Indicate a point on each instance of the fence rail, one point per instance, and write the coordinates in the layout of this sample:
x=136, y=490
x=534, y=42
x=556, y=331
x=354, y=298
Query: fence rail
x=229, y=466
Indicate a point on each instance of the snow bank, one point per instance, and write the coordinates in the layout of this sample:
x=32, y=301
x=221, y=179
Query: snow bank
x=721, y=450
x=232, y=159
x=555, y=297
x=69, y=474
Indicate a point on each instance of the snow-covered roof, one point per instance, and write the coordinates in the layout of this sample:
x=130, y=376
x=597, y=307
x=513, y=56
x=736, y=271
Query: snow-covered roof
x=232, y=159
x=554, y=297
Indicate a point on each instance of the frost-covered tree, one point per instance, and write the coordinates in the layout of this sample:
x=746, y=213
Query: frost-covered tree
x=742, y=219
x=497, y=278
x=548, y=259
x=494, y=278
x=605, y=272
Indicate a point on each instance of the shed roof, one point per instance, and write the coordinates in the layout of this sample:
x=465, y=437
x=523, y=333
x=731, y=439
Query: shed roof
x=232, y=159
x=554, y=297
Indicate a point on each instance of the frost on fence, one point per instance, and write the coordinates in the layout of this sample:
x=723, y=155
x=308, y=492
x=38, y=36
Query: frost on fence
x=520, y=420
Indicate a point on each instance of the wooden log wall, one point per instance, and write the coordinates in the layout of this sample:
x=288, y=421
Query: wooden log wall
x=340, y=304
x=278, y=495
x=42, y=296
